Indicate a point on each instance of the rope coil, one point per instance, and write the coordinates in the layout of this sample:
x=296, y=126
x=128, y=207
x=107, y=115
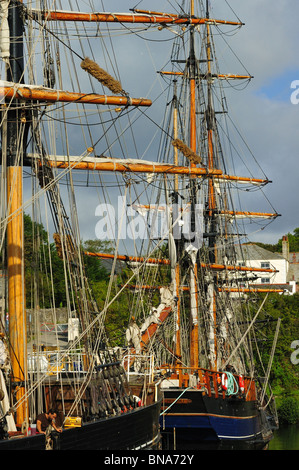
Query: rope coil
x=232, y=385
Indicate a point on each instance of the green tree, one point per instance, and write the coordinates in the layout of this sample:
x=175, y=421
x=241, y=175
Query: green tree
x=45, y=277
x=284, y=374
x=289, y=411
x=44, y=269
x=95, y=271
x=293, y=239
x=36, y=263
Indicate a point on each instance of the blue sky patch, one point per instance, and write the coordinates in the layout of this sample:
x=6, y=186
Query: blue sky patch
x=279, y=88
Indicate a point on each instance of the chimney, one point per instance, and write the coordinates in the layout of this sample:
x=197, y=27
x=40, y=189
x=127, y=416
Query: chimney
x=285, y=247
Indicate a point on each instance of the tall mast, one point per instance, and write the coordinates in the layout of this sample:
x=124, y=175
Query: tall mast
x=193, y=267
x=210, y=118
x=176, y=191
x=210, y=126
x=16, y=294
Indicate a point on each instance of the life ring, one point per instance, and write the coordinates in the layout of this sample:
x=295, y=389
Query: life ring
x=241, y=383
x=137, y=401
x=224, y=381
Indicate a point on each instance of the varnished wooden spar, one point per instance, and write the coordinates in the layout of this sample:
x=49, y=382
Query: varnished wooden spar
x=125, y=258
x=224, y=267
x=214, y=266
x=245, y=214
x=237, y=214
x=244, y=179
x=221, y=76
x=134, y=167
x=128, y=18
x=112, y=165
x=44, y=94
x=242, y=290
x=253, y=290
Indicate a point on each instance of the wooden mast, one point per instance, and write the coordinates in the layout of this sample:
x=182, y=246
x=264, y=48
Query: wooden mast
x=210, y=118
x=16, y=293
x=193, y=146
x=176, y=191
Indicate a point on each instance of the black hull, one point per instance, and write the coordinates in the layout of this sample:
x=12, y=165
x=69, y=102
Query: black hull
x=135, y=430
x=197, y=421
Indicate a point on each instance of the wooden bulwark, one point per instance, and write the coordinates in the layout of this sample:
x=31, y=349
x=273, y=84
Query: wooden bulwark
x=209, y=382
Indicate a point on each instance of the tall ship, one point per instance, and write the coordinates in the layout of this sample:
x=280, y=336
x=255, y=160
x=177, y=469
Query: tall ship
x=76, y=372
x=179, y=354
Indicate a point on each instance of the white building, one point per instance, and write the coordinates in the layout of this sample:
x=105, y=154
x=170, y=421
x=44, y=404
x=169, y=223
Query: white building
x=254, y=256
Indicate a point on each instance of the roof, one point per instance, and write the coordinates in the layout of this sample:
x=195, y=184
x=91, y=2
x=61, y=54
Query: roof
x=252, y=251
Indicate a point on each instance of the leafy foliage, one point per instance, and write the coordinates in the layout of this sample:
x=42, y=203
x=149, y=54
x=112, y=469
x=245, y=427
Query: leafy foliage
x=44, y=269
x=284, y=373
x=95, y=271
x=289, y=411
x=41, y=260
x=293, y=239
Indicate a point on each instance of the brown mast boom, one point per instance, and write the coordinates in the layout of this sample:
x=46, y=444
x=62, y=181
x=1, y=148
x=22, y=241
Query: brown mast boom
x=128, y=18
x=220, y=76
x=214, y=266
x=24, y=92
x=111, y=165
x=135, y=167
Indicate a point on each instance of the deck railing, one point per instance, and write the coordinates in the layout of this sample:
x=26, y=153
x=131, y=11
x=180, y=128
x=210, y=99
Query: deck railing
x=214, y=382
x=134, y=364
x=55, y=362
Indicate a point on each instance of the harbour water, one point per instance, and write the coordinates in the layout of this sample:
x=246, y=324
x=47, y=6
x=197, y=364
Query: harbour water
x=285, y=438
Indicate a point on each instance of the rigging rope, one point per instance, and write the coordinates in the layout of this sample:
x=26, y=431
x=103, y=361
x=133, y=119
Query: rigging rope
x=232, y=385
x=247, y=331
x=184, y=391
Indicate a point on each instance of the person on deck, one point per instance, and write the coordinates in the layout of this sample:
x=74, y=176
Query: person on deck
x=44, y=420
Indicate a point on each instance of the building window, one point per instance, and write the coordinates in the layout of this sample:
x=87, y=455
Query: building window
x=265, y=265
x=265, y=280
